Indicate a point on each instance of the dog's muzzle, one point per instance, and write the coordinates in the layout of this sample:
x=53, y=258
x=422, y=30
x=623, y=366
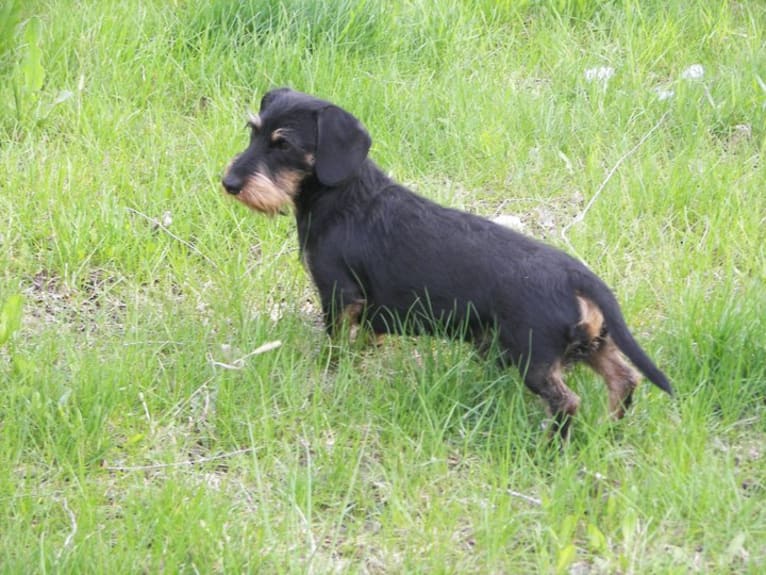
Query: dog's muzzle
x=232, y=184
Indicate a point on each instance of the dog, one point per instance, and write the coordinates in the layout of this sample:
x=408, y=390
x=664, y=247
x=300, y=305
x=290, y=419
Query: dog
x=393, y=261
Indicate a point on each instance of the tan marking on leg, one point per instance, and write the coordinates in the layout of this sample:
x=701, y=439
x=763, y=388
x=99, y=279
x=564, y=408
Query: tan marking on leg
x=561, y=401
x=591, y=318
x=348, y=319
x=620, y=377
x=566, y=400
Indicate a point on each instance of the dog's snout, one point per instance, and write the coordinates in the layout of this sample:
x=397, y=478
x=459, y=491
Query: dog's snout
x=232, y=184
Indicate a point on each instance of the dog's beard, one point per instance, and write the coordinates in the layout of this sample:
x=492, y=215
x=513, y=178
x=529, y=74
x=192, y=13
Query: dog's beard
x=270, y=195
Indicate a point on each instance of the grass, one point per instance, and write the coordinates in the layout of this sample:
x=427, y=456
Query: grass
x=126, y=447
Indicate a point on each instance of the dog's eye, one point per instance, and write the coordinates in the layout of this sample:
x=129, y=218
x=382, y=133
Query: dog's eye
x=280, y=143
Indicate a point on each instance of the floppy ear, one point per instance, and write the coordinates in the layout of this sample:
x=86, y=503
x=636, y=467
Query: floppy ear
x=342, y=145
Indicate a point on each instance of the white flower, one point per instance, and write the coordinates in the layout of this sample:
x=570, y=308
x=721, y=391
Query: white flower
x=693, y=72
x=509, y=221
x=601, y=73
x=664, y=93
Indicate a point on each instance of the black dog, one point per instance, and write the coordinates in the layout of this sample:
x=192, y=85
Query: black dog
x=396, y=262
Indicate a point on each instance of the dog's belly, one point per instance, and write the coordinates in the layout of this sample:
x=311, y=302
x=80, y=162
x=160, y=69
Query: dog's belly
x=479, y=305
x=419, y=314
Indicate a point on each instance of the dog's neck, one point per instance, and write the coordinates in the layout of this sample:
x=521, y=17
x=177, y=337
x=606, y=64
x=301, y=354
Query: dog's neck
x=319, y=207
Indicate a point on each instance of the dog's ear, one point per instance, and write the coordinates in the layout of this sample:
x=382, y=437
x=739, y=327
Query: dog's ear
x=342, y=145
x=269, y=96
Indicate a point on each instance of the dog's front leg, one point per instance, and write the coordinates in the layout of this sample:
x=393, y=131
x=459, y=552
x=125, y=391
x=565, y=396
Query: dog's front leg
x=345, y=321
x=342, y=322
x=349, y=326
x=342, y=306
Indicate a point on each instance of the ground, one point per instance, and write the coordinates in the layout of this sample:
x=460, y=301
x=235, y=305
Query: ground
x=138, y=431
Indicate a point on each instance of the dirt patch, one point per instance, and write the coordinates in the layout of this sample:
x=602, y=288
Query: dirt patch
x=87, y=306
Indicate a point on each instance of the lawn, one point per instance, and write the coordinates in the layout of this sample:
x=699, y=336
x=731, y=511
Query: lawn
x=139, y=431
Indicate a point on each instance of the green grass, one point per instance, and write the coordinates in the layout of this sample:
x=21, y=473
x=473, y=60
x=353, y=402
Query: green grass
x=125, y=447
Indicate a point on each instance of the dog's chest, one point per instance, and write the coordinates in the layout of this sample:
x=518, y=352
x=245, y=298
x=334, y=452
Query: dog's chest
x=306, y=260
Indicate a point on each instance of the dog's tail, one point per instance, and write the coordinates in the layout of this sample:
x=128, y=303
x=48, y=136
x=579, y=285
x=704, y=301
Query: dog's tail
x=593, y=288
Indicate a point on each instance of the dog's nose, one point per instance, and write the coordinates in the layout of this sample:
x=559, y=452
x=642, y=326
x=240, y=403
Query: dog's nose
x=232, y=184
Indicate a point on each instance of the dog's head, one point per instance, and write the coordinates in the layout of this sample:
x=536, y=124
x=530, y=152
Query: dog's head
x=295, y=137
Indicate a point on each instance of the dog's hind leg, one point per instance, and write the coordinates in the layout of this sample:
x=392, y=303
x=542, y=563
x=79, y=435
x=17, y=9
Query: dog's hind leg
x=547, y=381
x=620, y=378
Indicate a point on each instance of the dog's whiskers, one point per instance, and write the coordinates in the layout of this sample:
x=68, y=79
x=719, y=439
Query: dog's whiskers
x=270, y=196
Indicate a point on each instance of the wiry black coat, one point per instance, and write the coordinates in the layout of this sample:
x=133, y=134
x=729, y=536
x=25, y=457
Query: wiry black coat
x=384, y=256
x=412, y=261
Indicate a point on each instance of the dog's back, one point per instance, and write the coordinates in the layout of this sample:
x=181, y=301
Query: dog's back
x=407, y=252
